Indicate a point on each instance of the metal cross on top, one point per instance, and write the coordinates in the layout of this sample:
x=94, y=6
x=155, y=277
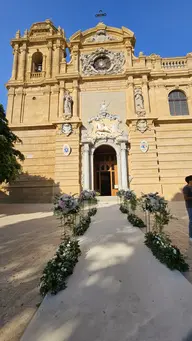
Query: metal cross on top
x=100, y=14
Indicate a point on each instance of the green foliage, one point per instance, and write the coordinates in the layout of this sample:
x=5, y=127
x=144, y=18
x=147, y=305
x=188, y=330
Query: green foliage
x=130, y=199
x=165, y=252
x=81, y=228
x=135, y=220
x=120, y=193
x=60, y=267
x=123, y=208
x=92, y=211
x=10, y=168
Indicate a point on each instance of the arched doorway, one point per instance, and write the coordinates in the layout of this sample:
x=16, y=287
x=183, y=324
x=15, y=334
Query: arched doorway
x=105, y=171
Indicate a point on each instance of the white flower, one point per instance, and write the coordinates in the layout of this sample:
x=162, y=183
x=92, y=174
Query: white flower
x=174, y=251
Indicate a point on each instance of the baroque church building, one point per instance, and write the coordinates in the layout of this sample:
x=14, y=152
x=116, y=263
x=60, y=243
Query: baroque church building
x=103, y=120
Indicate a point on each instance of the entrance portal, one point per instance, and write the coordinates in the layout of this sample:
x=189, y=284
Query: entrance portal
x=105, y=170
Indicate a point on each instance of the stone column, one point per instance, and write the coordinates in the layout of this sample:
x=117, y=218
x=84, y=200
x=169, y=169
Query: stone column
x=15, y=62
x=130, y=97
x=118, y=154
x=146, y=94
x=49, y=58
x=124, y=173
x=92, y=169
x=75, y=98
x=44, y=64
x=57, y=58
x=61, y=98
x=23, y=61
x=86, y=167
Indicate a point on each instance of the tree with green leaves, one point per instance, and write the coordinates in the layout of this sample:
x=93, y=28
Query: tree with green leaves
x=10, y=167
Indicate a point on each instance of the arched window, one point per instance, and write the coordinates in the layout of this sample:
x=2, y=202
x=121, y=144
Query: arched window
x=37, y=62
x=178, y=103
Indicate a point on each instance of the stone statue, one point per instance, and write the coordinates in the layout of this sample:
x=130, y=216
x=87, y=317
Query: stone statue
x=68, y=104
x=139, y=102
x=103, y=107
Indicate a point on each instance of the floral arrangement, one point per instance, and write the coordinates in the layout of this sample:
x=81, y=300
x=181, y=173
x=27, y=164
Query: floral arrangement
x=82, y=226
x=66, y=204
x=135, y=220
x=130, y=199
x=158, y=206
x=60, y=267
x=152, y=202
x=165, y=252
x=88, y=196
x=120, y=193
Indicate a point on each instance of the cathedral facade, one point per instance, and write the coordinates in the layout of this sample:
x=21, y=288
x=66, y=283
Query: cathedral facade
x=92, y=115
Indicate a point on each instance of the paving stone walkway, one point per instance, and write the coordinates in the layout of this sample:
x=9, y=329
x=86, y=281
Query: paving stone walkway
x=118, y=291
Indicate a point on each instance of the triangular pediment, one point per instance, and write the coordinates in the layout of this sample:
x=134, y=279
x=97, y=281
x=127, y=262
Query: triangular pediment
x=102, y=33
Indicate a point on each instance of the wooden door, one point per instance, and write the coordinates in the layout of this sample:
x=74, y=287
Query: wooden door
x=106, y=163
x=114, y=179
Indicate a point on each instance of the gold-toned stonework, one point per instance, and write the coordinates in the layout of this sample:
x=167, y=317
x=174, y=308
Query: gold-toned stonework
x=52, y=103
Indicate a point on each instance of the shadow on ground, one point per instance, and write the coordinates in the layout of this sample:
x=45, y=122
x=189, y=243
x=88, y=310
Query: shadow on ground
x=28, y=241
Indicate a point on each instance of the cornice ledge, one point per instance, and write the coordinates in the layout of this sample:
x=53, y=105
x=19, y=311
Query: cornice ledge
x=104, y=77
x=30, y=126
x=135, y=71
x=63, y=120
x=64, y=76
x=173, y=119
x=135, y=118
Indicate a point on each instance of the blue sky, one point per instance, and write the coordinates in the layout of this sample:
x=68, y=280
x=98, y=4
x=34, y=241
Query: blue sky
x=163, y=27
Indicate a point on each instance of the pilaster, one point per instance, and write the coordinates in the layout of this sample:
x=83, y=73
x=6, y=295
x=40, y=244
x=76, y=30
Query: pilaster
x=61, y=98
x=75, y=98
x=145, y=94
x=49, y=60
x=15, y=62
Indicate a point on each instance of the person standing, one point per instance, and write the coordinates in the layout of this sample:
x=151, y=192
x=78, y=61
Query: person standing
x=187, y=192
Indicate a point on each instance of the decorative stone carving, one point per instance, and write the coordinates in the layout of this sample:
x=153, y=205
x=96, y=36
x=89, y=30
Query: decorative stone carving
x=100, y=37
x=104, y=126
x=66, y=150
x=66, y=129
x=103, y=107
x=139, y=102
x=68, y=104
x=154, y=56
x=142, y=125
x=103, y=62
x=144, y=146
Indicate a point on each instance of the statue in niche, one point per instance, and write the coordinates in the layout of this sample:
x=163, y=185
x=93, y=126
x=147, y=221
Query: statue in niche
x=139, y=102
x=103, y=107
x=68, y=104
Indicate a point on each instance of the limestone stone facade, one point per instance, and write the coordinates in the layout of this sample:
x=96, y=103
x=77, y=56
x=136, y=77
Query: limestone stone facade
x=62, y=92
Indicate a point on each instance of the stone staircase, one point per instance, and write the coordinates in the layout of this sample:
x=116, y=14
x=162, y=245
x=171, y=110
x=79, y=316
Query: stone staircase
x=107, y=200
